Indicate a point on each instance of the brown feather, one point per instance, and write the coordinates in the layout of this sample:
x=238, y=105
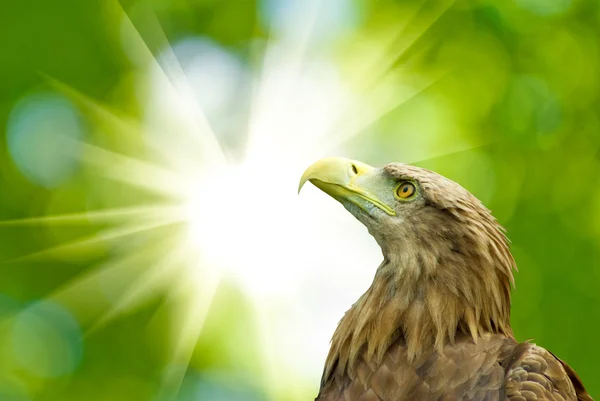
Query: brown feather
x=435, y=323
x=428, y=300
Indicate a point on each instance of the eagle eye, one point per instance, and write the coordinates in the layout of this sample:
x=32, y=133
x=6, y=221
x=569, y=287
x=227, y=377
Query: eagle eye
x=405, y=190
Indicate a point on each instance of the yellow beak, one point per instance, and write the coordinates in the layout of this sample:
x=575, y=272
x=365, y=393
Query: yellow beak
x=344, y=180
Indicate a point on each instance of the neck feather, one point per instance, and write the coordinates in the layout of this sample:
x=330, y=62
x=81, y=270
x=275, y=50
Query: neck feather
x=427, y=296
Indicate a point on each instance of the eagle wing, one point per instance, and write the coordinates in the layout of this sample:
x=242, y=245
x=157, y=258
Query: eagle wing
x=464, y=371
x=493, y=369
x=533, y=373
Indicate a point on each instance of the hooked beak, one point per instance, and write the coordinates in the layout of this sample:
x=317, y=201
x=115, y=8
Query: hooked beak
x=345, y=180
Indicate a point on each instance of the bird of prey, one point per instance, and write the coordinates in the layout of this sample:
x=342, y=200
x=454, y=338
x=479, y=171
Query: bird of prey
x=435, y=322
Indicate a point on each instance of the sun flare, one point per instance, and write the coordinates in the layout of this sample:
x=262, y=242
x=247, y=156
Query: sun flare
x=208, y=176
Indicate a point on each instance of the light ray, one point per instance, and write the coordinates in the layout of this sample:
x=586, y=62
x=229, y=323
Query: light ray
x=92, y=216
x=192, y=316
x=120, y=167
x=263, y=105
x=400, y=44
x=83, y=294
x=124, y=125
x=273, y=379
x=359, y=125
x=211, y=153
x=135, y=172
x=210, y=147
x=454, y=152
x=150, y=282
x=86, y=243
x=132, y=129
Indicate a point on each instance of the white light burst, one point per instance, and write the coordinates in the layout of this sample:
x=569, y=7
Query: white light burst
x=237, y=212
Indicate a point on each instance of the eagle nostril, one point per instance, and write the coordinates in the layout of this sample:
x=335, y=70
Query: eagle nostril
x=354, y=169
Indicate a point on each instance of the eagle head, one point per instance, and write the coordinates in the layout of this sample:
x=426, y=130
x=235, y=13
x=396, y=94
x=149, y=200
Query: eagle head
x=447, y=266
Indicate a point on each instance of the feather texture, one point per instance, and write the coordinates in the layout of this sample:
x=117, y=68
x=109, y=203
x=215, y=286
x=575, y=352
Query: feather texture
x=435, y=323
x=495, y=368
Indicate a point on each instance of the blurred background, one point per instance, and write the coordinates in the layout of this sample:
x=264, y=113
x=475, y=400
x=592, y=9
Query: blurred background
x=152, y=245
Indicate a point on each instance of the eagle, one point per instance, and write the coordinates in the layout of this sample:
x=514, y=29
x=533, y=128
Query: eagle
x=435, y=322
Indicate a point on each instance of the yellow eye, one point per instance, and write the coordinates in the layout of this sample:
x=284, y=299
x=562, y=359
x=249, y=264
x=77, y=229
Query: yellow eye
x=405, y=190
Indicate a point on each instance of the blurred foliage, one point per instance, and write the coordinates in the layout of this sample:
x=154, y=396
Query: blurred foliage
x=507, y=105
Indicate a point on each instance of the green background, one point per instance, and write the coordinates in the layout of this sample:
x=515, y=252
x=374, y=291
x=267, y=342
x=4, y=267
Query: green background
x=508, y=108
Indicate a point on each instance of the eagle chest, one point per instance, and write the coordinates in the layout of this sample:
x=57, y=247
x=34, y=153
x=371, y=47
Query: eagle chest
x=464, y=371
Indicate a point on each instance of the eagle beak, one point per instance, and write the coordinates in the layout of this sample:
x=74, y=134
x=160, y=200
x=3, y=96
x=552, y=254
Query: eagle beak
x=344, y=180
